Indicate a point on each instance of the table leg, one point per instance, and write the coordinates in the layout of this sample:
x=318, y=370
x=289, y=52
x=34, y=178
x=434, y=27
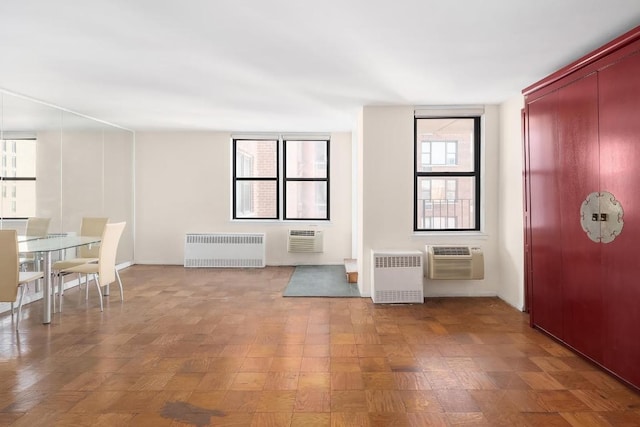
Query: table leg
x=46, y=289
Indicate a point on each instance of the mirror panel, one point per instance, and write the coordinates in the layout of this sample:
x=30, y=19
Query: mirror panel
x=82, y=170
x=23, y=122
x=118, y=185
x=83, y=167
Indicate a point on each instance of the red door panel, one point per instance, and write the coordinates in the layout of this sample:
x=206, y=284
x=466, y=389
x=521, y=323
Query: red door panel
x=578, y=172
x=544, y=216
x=619, y=108
x=527, y=225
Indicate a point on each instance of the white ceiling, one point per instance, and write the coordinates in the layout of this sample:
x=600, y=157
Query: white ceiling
x=288, y=65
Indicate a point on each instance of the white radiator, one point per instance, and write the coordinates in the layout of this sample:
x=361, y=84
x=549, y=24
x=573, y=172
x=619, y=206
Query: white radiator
x=397, y=277
x=224, y=250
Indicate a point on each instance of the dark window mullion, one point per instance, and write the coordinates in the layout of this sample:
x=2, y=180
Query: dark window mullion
x=447, y=174
x=260, y=178
x=284, y=179
x=306, y=179
x=477, y=165
x=17, y=178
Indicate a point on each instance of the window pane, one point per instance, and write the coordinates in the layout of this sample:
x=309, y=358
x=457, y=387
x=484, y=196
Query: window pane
x=256, y=199
x=306, y=159
x=449, y=204
x=306, y=200
x=438, y=152
x=18, y=199
x=256, y=158
x=20, y=158
x=450, y=142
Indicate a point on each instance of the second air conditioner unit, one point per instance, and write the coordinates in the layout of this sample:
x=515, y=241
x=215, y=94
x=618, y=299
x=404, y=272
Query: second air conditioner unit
x=305, y=240
x=455, y=262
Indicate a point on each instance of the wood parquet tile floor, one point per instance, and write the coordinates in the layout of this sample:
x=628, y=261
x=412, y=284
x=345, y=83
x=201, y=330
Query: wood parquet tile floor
x=199, y=347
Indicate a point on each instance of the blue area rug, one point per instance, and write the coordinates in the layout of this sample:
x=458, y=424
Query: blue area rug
x=320, y=281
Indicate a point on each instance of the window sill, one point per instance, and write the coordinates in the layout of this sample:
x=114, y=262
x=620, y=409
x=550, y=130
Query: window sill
x=302, y=222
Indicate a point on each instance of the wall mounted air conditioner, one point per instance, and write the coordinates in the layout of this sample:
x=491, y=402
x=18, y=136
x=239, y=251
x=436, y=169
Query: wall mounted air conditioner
x=455, y=262
x=397, y=276
x=305, y=240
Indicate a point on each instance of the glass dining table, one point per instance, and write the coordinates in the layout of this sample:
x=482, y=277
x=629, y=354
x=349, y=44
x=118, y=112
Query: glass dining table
x=44, y=247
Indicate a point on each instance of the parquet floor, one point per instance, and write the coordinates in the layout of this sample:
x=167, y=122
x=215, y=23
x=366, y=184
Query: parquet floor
x=202, y=347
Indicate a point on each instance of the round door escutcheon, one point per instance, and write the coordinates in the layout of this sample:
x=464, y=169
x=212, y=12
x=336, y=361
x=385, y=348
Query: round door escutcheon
x=601, y=217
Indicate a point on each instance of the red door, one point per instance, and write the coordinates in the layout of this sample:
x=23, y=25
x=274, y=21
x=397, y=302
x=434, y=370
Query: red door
x=619, y=107
x=579, y=176
x=544, y=215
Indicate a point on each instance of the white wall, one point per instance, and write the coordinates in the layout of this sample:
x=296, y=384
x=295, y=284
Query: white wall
x=511, y=245
x=183, y=185
x=386, y=178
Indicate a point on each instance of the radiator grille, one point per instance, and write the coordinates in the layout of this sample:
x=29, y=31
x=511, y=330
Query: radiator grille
x=399, y=296
x=224, y=250
x=398, y=261
x=226, y=239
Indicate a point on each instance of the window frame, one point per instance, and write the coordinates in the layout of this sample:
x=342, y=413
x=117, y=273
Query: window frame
x=281, y=183
x=288, y=179
x=446, y=176
x=6, y=152
x=236, y=179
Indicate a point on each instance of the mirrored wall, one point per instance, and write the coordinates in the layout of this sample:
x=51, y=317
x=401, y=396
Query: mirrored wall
x=63, y=166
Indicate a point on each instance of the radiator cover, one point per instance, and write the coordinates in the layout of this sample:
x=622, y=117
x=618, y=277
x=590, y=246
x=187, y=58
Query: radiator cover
x=224, y=250
x=397, y=277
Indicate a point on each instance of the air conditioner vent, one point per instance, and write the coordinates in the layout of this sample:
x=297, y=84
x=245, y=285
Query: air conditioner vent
x=451, y=250
x=305, y=240
x=308, y=233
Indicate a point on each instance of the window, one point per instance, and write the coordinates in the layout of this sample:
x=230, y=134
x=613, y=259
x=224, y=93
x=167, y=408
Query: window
x=447, y=173
x=306, y=180
x=255, y=179
x=257, y=167
x=18, y=178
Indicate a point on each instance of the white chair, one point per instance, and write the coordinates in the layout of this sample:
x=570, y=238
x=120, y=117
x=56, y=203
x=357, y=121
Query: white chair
x=104, y=271
x=11, y=278
x=93, y=227
x=36, y=227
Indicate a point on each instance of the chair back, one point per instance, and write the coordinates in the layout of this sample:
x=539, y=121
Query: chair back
x=38, y=227
x=108, y=252
x=9, y=269
x=92, y=227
